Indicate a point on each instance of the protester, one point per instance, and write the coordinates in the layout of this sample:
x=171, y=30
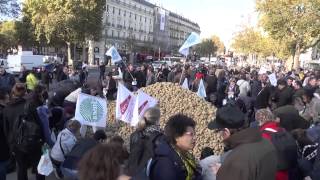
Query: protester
x=31, y=81
x=69, y=167
x=268, y=126
x=45, y=77
x=252, y=157
x=102, y=69
x=103, y=162
x=111, y=87
x=64, y=144
x=151, y=79
x=173, y=160
x=5, y=150
x=144, y=140
x=63, y=75
x=7, y=80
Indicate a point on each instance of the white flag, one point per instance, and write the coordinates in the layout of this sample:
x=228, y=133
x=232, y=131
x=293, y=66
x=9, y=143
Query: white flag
x=185, y=84
x=91, y=110
x=143, y=102
x=162, y=19
x=201, y=90
x=125, y=104
x=120, y=73
x=273, y=79
x=192, y=40
x=115, y=56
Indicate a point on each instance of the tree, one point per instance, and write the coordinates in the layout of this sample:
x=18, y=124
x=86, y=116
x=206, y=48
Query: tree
x=9, y=8
x=71, y=21
x=216, y=40
x=296, y=22
x=207, y=48
x=8, y=35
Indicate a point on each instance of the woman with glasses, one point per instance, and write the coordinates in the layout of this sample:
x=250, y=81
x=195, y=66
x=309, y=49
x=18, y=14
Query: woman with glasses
x=173, y=160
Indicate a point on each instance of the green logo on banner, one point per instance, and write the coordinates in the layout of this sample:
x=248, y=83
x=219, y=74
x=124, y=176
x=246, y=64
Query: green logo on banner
x=91, y=110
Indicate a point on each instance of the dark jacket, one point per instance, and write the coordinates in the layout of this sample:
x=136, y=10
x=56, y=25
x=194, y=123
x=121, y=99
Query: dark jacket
x=45, y=77
x=211, y=84
x=263, y=97
x=290, y=118
x=11, y=112
x=255, y=88
x=169, y=166
x=7, y=81
x=62, y=76
x=252, y=157
x=284, y=96
x=171, y=76
x=141, y=79
x=78, y=151
x=4, y=150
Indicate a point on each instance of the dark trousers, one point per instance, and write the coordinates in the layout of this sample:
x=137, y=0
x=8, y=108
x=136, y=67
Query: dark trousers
x=3, y=170
x=26, y=160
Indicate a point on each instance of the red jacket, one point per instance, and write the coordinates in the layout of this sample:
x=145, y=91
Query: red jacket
x=273, y=127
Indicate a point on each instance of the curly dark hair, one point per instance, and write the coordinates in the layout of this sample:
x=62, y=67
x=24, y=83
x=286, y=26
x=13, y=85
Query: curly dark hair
x=177, y=126
x=102, y=162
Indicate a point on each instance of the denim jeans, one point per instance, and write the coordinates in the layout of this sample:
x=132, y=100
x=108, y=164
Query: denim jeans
x=3, y=170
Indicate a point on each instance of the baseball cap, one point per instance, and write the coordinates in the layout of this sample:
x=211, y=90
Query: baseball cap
x=229, y=116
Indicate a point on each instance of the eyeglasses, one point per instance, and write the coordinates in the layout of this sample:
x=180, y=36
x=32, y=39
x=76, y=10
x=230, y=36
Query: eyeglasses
x=190, y=134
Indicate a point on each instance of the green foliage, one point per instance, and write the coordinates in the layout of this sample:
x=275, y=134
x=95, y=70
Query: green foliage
x=69, y=20
x=295, y=22
x=210, y=47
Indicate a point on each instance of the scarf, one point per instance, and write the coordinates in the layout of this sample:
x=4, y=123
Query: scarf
x=189, y=163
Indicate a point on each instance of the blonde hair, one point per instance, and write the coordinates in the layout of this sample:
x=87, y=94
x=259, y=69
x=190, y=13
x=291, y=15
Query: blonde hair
x=150, y=117
x=73, y=125
x=264, y=115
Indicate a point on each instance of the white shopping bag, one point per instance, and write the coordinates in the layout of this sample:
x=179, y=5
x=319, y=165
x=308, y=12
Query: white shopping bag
x=45, y=165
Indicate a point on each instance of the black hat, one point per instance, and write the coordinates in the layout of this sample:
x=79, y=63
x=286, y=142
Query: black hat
x=229, y=116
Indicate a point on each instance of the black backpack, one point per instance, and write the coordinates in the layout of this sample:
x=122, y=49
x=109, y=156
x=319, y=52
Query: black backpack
x=141, y=156
x=286, y=147
x=27, y=133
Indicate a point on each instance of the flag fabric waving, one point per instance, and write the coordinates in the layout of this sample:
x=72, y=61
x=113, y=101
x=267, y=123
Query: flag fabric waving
x=143, y=102
x=125, y=104
x=201, y=90
x=192, y=40
x=115, y=56
x=185, y=84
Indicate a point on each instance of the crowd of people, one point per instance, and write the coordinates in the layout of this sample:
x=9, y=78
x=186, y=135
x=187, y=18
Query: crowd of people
x=270, y=130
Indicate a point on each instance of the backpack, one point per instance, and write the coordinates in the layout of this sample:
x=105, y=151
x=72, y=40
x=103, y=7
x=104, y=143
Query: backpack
x=141, y=156
x=27, y=133
x=286, y=147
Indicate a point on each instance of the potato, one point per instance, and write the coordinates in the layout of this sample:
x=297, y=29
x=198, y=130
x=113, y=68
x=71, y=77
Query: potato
x=174, y=99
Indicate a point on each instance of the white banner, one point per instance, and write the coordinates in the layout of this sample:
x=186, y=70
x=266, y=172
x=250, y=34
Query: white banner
x=125, y=104
x=91, y=110
x=185, y=84
x=143, y=102
x=202, y=90
x=162, y=19
x=273, y=79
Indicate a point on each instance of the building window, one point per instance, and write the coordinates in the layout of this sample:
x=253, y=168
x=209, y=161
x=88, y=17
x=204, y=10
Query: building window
x=107, y=8
x=124, y=14
x=118, y=33
x=124, y=34
x=130, y=15
x=150, y=21
x=140, y=18
x=135, y=17
x=119, y=12
x=113, y=10
x=112, y=32
x=145, y=19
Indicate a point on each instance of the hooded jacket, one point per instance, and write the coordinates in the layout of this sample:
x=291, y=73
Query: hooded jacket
x=252, y=157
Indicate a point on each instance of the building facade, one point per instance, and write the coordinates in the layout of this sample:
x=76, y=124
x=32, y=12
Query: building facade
x=137, y=25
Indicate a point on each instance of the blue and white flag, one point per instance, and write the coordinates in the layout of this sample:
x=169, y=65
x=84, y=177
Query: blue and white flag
x=115, y=56
x=192, y=40
x=185, y=84
x=202, y=90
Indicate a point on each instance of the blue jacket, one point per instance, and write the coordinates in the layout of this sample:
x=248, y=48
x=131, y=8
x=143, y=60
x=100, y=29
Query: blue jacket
x=43, y=114
x=168, y=165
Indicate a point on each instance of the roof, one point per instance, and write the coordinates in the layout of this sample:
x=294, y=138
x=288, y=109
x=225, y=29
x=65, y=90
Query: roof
x=146, y=3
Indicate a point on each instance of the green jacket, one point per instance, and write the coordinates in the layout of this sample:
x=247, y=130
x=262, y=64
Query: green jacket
x=31, y=81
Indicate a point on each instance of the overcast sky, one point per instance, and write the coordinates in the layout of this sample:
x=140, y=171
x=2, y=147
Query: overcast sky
x=219, y=17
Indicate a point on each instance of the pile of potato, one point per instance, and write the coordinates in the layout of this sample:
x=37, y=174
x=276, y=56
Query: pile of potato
x=174, y=99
